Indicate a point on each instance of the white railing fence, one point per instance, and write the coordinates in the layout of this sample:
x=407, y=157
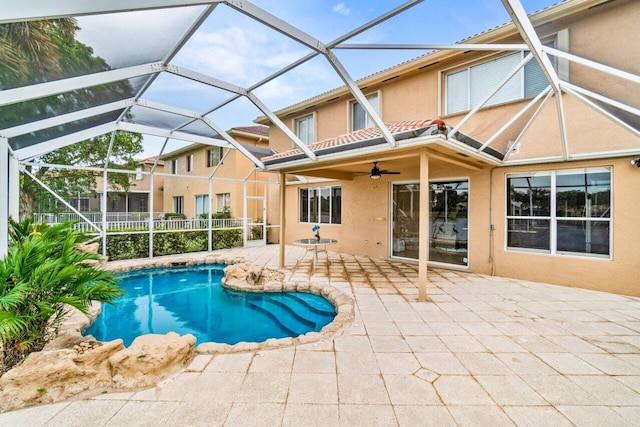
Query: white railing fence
x=95, y=217
x=139, y=221
x=167, y=224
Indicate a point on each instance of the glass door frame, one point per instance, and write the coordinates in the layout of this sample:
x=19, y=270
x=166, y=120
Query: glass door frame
x=391, y=221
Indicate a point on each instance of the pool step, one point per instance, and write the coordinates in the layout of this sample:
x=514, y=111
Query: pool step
x=294, y=315
x=311, y=307
x=291, y=311
x=259, y=307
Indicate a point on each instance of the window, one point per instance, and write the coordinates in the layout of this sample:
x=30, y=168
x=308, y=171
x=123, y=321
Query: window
x=138, y=176
x=174, y=166
x=189, y=162
x=566, y=211
x=202, y=205
x=214, y=155
x=321, y=205
x=359, y=118
x=178, y=204
x=466, y=88
x=223, y=202
x=305, y=129
x=142, y=204
x=83, y=204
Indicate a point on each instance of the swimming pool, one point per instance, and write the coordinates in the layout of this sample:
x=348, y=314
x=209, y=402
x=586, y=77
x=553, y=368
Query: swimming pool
x=191, y=300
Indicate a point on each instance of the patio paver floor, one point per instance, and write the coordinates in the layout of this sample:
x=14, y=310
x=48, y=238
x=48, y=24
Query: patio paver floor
x=485, y=351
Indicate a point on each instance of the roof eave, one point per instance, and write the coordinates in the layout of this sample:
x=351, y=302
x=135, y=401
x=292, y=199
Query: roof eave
x=298, y=162
x=505, y=31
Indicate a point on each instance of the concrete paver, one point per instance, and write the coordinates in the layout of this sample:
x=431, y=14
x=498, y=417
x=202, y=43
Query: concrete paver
x=484, y=351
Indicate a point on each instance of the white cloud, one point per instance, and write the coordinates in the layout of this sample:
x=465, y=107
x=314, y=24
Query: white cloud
x=342, y=9
x=238, y=55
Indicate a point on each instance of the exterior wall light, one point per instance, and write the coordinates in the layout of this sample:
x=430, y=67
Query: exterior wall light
x=635, y=162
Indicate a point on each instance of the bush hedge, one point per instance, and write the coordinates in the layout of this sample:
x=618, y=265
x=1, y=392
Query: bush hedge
x=128, y=246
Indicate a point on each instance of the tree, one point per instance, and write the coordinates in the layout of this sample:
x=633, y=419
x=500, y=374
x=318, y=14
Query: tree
x=39, y=51
x=43, y=273
x=68, y=183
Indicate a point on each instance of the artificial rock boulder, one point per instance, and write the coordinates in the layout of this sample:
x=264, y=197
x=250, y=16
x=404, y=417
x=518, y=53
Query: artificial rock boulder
x=92, y=367
x=51, y=376
x=150, y=358
x=250, y=277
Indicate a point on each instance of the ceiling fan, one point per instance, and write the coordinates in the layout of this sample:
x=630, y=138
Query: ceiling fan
x=376, y=173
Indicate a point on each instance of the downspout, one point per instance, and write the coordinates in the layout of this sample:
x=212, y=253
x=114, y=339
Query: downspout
x=492, y=226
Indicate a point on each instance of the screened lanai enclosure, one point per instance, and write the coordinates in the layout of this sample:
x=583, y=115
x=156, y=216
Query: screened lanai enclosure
x=162, y=75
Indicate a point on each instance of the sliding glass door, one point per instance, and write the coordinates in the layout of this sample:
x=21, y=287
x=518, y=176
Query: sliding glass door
x=448, y=221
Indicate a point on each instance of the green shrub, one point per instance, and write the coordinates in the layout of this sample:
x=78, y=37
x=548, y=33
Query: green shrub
x=218, y=215
x=129, y=246
x=173, y=215
x=42, y=273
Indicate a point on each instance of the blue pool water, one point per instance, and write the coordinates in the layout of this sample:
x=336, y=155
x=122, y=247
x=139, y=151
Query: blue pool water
x=190, y=300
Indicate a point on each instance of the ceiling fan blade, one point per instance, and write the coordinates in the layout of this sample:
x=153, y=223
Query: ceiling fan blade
x=384, y=172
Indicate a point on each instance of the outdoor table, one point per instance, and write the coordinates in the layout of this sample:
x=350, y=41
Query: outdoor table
x=315, y=244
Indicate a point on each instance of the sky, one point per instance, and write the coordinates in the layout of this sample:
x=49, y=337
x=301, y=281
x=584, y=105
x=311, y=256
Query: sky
x=241, y=51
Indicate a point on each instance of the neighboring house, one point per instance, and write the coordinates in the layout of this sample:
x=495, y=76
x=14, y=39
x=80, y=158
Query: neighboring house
x=138, y=197
x=228, y=169
x=121, y=205
x=513, y=192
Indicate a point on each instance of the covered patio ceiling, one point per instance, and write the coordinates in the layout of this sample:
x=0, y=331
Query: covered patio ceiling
x=149, y=60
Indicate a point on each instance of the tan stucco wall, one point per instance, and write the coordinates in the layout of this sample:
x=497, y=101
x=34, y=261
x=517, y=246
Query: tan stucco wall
x=235, y=166
x=607, y=33
x=365, y=227
x=366, y=217
x=617, y=274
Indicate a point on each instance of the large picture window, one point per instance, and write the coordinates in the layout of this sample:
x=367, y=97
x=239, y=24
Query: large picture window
x=321, y=205
x=565, y=211
x=466, y=88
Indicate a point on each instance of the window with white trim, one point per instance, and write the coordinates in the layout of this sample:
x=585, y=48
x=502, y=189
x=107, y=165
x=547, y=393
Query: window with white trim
x=214, y=155
x=321, y=205
x=202, y=204
x=178, y=204
x=466, y=88
x=305, y=129
x=138, y=176
x=359, y=117
x=189, y=162
x=560, y=212
x=223, y=202
x=174, y=166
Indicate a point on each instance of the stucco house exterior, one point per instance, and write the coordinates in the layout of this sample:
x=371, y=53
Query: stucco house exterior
x=530, y=177
x=231, y=174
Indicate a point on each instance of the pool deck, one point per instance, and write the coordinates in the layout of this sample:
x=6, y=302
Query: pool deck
x=486, y=351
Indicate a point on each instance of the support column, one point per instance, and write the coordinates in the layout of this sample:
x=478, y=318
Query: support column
x=150, y=209
x=283, y=192
x=209, y=214
x=4, y=196
x=423, y=248
x=14, y=188
x=245, y=229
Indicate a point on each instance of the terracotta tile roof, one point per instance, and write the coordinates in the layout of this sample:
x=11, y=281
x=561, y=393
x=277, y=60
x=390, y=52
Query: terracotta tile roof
x=256, y=130
x=368, y=134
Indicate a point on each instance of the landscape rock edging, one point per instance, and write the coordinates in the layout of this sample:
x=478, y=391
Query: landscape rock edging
x=71, y=364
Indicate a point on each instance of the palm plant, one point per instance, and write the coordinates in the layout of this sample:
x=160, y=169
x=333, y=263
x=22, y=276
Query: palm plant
x=42, y=274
